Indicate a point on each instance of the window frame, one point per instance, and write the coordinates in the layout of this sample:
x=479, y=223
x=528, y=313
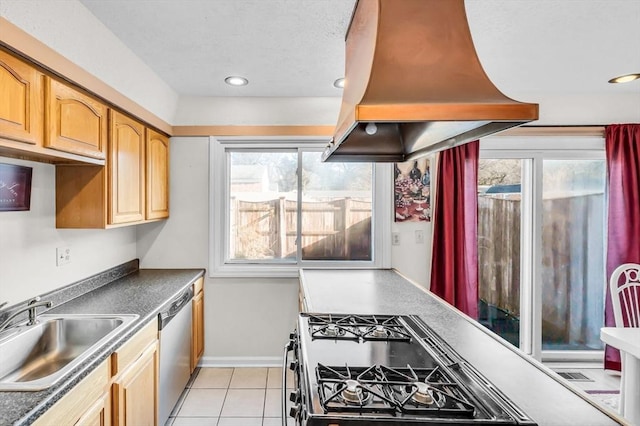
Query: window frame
x=533, y=150
x=220, y=264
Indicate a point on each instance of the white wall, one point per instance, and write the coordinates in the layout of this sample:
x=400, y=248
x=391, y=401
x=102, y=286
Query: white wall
x=247, y=321
x=72, y=30
x=28, y=241
x=412, y=259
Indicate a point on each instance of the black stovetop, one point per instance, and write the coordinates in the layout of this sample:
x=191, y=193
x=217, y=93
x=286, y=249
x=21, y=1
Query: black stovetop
x=383, y=369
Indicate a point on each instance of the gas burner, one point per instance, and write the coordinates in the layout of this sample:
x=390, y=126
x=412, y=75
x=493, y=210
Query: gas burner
x=352, y=392
x=379, y=331
x=424, y=395
x=332, y=330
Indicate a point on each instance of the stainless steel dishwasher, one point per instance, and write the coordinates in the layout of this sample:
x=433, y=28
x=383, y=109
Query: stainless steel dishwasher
x=174, y=324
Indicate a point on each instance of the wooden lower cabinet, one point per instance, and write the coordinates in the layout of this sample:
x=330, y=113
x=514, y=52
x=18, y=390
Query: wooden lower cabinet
x=88, y=403
x=197, y=329
x=135, y=391
x=123, y=390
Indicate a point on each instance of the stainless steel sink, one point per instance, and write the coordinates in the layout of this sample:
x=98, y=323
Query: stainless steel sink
x=35, y=357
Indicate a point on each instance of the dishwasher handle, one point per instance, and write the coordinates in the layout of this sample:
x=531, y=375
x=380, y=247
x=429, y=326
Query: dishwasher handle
x=174, y=308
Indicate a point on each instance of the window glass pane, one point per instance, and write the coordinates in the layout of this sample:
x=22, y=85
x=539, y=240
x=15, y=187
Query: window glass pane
x=499, y=210
x=262, y=206
x=573, y=277
x=336, y=209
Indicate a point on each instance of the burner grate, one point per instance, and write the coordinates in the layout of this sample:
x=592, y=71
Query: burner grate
x=378, y=389
x=354, y=327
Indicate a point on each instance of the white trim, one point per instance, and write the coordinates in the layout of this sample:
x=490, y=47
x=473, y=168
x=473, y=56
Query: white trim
x=219, y=263
x=240, y=361
x=536, y=278
x=573, y=356
x=526, y=259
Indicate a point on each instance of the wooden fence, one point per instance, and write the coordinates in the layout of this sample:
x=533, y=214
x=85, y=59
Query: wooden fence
x=572, y=264
x=333, y=229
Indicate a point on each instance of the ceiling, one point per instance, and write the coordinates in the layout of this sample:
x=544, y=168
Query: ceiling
x=296, y=47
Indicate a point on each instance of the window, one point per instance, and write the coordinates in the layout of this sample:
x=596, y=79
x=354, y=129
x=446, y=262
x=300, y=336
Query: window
x=541, y=243
x=278, y=207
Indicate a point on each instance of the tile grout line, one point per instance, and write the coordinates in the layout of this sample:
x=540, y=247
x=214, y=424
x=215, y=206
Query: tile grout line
x=226, y=393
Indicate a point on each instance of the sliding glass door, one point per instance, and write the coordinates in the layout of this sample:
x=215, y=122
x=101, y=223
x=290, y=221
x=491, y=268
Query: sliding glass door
x=572, y=236
x=541, y=246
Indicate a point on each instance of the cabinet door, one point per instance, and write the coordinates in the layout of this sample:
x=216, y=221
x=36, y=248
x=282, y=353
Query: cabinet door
x=135, y=393
x=157, y=175
x=197, y=340
x=126, y=165
x=21, y=116
x=99, y=414
x=75, y=122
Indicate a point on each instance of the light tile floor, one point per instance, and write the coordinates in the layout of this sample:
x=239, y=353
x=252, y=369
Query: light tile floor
x=231, y=397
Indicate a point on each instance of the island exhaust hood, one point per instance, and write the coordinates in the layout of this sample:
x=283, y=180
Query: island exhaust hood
x=414, y=84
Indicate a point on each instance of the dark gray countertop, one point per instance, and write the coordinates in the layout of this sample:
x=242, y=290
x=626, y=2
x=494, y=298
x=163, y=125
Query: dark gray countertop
x=529, y=384
x=142, y=292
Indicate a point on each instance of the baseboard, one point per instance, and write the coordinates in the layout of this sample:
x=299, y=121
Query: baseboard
x=240, y=361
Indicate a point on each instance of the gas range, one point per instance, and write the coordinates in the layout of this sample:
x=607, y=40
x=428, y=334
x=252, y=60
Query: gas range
x=385, y=369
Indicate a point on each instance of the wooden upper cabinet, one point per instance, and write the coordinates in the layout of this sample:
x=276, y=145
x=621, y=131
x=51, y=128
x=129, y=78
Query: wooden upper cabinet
x=157, y=175
x=21, y=101
x=126, y=166
x=75, y=122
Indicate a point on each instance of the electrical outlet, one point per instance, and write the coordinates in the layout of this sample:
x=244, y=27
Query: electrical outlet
x=395, y=238
x=419, y=237
x=63, y=256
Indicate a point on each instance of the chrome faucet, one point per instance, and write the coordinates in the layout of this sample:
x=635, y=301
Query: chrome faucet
x=31, y=307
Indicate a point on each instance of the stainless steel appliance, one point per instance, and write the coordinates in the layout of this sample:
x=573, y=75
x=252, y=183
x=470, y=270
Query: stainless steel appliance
x=174, y=324
x=382, y=370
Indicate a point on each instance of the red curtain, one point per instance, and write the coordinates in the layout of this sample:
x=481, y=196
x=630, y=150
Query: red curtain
x=623, y=230
x=454, y=270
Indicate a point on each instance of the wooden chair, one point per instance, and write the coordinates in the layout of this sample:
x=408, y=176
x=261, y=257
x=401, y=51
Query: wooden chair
x=624, y=286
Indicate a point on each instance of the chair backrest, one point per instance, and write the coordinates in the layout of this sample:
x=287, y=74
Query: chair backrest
x=624, y=286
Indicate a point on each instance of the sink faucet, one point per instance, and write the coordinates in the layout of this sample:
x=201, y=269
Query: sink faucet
x=31, y=307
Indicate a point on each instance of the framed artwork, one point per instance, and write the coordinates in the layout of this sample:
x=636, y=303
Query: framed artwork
x=412, y=191
x=15, y=187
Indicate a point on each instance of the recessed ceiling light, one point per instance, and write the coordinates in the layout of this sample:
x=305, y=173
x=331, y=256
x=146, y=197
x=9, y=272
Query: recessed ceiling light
x=625, y=78
x=234, y=80
x=339, y=83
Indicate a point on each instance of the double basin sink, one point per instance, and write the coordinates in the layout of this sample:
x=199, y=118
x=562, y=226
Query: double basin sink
x=35, y=357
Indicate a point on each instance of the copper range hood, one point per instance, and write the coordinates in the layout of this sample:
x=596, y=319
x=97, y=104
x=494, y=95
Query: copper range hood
x=414, y=84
